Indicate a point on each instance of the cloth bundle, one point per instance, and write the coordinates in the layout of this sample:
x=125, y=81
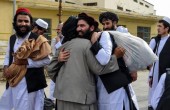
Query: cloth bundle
x=138, y=54
x=31, y=48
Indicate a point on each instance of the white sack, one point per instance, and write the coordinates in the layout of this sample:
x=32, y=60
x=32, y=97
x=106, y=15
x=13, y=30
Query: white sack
x=138, y=54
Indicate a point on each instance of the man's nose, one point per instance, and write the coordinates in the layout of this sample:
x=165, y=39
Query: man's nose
x=78, y=28
x=23, y=23
x=104, y=26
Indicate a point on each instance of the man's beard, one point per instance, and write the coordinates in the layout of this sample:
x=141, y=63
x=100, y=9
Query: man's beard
x=109, y=29
x=86, y=35
x=22, y=33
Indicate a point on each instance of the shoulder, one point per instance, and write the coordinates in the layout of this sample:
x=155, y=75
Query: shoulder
x=13, y=36
x=78, y=42
x=33, y=35
x=105, y=35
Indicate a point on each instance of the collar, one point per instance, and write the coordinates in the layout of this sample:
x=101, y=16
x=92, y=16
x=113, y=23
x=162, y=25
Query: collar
x=25, y=37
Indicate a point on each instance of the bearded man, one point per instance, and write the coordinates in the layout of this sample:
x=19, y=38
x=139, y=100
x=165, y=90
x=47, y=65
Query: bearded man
x=75, y=87
x=29, y=91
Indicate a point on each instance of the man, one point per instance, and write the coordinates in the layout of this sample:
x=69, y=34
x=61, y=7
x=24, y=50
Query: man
x=28, y=94
x=160, y=46
x=57, y=41
x=55, y=44
x=121, y=98
x=75, y=83
x=40, y=27
x=161, y=97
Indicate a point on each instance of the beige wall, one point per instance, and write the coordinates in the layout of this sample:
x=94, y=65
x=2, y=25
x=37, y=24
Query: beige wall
x=51, y=13
x=132, y=25
x=126, y=4
x=130, y=5
x=6, y=17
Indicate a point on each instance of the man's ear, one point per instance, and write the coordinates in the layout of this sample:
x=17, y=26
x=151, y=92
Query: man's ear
x=92, y=28
x=166, y=28
x=114, y=23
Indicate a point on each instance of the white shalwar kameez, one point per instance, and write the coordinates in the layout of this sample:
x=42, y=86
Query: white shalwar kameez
x=156, y=67
x=117, y=99
x=18, y=98
x=159, y=90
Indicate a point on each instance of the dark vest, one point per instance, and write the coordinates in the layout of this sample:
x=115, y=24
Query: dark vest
x=120, y=78
x=165, y=99
x=164, y=58
x=117, y=79
x=35, y=77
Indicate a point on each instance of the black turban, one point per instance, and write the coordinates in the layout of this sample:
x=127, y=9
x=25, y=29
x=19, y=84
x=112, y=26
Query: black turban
x=90, y=20
x=69, y=29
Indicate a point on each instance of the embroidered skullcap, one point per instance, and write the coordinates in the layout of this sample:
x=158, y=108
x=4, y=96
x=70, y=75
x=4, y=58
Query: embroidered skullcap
x=42, y=23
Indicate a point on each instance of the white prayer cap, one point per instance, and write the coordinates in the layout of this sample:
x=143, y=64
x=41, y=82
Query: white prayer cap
x=41, y=23
x=167, y=19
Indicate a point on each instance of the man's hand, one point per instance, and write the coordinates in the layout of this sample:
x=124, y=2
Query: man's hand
x=150, y=81
x=149, y=67
x=57, y=39
x=95, y=37
x=63, y=55
x=119, y=52
x=134, y=75
x=5, y=72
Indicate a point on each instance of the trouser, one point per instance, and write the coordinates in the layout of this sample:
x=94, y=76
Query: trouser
x=131, y=104
x=64, y=105
x=18, y=98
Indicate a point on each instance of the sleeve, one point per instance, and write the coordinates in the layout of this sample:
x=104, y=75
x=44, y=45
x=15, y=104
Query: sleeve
x=39, y=63
x=152, y=44
x=104, y=54
x=158, y=92
x=6, y=60
x=58, y=45
x=98, y=69
x=54, y=66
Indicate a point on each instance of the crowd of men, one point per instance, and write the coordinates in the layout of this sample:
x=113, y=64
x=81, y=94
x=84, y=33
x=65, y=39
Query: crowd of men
x=87, y=68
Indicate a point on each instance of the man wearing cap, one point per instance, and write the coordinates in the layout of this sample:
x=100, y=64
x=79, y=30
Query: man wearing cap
x=160, y=46
x=121, y=98
x=75, y=84
x=40, y=27
x=28, y=93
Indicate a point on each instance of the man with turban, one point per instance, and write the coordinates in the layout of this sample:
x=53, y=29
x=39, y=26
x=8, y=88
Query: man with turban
x=108, y=97
x=24, y=66
x=75, y=82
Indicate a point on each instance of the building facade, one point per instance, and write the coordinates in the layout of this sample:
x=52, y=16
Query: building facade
x=138, y=23
x=136, y=6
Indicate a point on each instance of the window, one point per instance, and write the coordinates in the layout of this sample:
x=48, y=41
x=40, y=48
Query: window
x=141, y=3
x=128, y=10
x=144, y=33
x=90, y=4
x=146, y=6
x=48, y=33
x=120, y=8
x=69, y=2
x=135, y=1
